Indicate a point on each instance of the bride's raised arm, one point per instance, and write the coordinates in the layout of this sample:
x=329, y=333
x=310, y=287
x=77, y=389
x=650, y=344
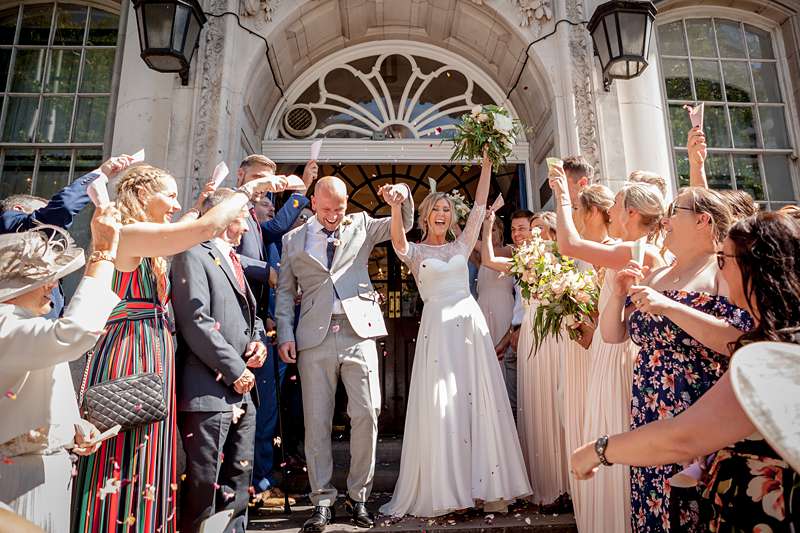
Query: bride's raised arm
x=469, y=237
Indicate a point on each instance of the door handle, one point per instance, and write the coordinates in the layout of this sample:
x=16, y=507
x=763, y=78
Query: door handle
x=392, y=305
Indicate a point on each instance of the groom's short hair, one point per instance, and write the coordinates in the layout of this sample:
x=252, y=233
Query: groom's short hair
x=522, y=213
x=258, y=159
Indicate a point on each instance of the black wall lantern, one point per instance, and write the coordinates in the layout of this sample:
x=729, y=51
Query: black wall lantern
x=621, y=31
x=168, y=33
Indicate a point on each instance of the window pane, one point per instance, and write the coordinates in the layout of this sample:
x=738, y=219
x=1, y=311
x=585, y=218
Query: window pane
x=53, y=173
x=102, y=29
x=676, y=79
x=729, y=39
x=62, y=77
x=707, y=81
x=29, y=70
x=90, y=121
x=670, y=39
x=779, y=177
x=8, y=25
x=700, y=33
x=743, y=126
x=5, y=62
x=35, y=27
x=759, y=42
x=715, y=126
x=55, y=119
x=97, y=70
x=70, y=25
x=20, y=117
x=718, y=171
x=737, y=81
x=773, y=127
x=682, y=168
x=87, y=160
x=680, y=124
x=17, y=172
x=748, y=175
x=765, y=77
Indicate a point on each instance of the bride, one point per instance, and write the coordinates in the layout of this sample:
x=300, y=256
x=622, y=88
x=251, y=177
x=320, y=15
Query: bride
x=460, y=446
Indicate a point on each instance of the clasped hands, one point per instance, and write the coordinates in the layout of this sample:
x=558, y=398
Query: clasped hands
x=393, y=194
x=255, y=355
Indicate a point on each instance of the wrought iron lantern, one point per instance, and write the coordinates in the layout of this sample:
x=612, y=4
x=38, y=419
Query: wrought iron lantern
x=169, y=31
x=621, y=31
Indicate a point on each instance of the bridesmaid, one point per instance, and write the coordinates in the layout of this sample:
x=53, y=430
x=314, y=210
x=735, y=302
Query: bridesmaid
x=636, y=211
x=673, y=368
x=539, y=421
x=496, y=290
x=130, y=483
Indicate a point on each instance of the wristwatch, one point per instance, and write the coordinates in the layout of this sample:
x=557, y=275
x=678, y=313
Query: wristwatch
x=600, y=446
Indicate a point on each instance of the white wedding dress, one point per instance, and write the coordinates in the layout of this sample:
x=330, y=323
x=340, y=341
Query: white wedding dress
x=460, y=445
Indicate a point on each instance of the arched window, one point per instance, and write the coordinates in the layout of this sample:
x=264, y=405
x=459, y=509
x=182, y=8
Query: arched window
x=391, y=95
x=732, y=67
x=56, y=64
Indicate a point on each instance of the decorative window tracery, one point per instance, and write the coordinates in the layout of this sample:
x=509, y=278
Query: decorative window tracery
x=391, y=95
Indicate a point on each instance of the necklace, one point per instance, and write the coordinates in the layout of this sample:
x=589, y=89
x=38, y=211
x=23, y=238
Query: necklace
x=678, y=277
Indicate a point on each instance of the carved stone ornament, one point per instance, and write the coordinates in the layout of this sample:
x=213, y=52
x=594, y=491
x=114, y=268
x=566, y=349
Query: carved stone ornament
x=581, y=53
x=531, y=10
x=209, y=81
x=251, y=8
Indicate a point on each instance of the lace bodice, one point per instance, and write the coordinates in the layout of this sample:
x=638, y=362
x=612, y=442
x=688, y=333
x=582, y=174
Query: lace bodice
x=463, y=245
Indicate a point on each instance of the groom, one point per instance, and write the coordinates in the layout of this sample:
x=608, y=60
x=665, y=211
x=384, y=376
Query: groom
x=340, y=316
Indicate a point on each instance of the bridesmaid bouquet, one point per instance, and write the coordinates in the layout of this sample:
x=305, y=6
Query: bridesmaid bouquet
x=566, y=295
x=490, y=126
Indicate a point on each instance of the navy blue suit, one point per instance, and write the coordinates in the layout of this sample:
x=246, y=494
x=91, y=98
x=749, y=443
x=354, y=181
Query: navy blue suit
x=59, y=211
x=257, y=256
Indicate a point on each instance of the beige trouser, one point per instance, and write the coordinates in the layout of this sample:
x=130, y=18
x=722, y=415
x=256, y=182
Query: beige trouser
x=345, y=354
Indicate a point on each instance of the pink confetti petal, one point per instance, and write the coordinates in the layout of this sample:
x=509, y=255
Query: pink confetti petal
x=335, y=328
x=10, y=394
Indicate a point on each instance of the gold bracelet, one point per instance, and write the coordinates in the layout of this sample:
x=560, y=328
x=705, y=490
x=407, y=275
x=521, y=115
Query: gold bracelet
x=98, y=256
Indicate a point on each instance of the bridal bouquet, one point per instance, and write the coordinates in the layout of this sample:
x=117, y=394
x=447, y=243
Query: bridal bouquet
x=490, y=126
x=566, y=295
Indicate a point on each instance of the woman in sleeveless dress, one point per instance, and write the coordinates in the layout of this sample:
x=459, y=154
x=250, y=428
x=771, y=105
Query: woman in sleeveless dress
x=603, y=504
x=496, y=291
x=539, y=409
x=674, y=367
x=460, y=448
x=129, y=485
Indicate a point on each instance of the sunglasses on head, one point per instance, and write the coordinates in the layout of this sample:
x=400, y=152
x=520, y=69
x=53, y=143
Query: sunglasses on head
x=672, y=207
x=721, y=259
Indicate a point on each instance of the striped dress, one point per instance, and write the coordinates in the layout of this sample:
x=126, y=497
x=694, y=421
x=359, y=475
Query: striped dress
x=129, y=484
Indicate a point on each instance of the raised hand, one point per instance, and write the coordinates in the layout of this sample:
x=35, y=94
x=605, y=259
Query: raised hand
x=208, y=189
x=310, y=173
x=394, y=195
x=105, y=227
x=115, y=165
x=629, y=276
x=558, y=181
x=270, y=183
x=697, y=147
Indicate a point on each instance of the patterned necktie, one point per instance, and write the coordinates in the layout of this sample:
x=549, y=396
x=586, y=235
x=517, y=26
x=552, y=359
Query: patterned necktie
x=332, y=235
x=238, y=271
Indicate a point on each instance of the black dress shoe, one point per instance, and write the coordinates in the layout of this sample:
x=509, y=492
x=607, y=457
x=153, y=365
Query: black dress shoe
x=358, y=510
x=321, y=517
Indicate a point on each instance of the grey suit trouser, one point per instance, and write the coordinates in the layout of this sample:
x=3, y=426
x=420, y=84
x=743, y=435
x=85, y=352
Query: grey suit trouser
x=342, y=353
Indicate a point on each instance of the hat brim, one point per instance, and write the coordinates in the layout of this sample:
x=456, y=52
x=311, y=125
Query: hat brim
x=13, y=288
x=766, y=380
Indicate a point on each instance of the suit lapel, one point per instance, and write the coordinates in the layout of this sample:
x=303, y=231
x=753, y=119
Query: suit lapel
x=301, y=239
x=222, y=262
x=347, y=241
x=255, y=234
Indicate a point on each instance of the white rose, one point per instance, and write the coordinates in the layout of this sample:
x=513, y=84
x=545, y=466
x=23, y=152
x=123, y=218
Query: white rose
x=477, y=110
x=503, y=124
x=582, y=297
x=483, y=117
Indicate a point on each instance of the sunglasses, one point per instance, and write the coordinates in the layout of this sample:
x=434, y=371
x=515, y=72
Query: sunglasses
x=721, y=259
x=672, y=207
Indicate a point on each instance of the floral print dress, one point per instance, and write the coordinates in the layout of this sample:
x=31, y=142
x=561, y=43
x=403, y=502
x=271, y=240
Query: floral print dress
x=751, y=488
x=671, y=372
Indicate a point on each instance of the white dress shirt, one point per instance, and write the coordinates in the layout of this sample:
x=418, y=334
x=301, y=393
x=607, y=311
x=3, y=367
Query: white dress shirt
x=225, y=249
x=317, y=247
x=519, y=309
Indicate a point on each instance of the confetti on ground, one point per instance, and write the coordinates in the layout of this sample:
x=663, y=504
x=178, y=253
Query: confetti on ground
x=244, y=463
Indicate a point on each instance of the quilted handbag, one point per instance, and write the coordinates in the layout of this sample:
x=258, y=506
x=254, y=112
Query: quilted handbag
x=129, y=401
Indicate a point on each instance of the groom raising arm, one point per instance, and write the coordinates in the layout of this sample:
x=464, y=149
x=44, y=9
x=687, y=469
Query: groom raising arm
x=340, y=316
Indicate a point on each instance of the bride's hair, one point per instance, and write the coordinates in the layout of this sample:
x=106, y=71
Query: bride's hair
x=426, y=208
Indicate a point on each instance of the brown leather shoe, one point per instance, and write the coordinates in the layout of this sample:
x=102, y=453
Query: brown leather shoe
x=274, y=498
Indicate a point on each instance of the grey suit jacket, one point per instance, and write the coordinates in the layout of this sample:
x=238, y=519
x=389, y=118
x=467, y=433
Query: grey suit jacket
x=349, y=274
x=215, y=322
